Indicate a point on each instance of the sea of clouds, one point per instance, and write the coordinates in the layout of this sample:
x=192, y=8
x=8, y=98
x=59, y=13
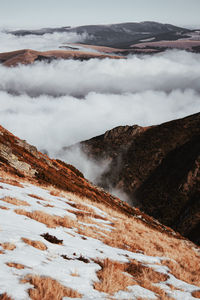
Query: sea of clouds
x=48, y=41
x=57, y=104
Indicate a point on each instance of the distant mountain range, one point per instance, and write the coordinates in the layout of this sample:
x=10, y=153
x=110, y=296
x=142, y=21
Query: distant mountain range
x=126, y=38
x=116, y=35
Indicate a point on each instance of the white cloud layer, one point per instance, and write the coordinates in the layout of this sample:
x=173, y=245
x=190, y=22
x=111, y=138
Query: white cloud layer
x=52, y=123
x=64, y=102
x=9, y=42
x=163, y=72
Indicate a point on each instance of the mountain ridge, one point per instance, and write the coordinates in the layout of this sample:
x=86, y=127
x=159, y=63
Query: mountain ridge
x=139, y=158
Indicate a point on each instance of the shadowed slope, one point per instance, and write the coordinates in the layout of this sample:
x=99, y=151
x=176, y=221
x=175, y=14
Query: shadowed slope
x=158, y=167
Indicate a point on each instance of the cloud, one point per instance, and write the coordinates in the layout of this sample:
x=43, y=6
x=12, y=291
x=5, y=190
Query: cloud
x=164, y=72
x=9, y=42
x=52, y=123
x=61, y=103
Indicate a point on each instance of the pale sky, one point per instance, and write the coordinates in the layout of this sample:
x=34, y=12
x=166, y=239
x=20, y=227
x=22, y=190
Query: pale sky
x=42, y=13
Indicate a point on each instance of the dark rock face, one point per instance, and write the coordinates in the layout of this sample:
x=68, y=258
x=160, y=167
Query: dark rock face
x=159, y=169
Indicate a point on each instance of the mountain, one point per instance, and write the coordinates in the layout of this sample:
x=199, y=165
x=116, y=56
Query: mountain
x=28, y=56
x=115, y=35
x=61, y=237
x=127, y=38
x=158, y=167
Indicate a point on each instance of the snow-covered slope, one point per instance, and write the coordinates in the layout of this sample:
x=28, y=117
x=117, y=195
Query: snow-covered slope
x=47, y=235
x=56, y=243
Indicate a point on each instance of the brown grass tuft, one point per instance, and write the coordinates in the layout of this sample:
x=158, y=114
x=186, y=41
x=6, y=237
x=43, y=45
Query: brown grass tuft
x=115, y=276
x=36, y=197
x=15, y=201
x=55, y=193
x=15, y=265
x=47, y=219
x=11, y=182
x=145, y=276
x=5, y=297
x=36, y=244
x=3, y=207
x=196, y=294
x=111, y=276
x=75, y=274
x=8, y=246
x=46, y=288
x=185, y=271
x=142, y=273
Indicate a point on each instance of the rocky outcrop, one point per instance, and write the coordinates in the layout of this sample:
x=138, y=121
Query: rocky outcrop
x=158, y=168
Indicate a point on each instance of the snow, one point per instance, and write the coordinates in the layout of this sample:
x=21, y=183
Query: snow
x=51, y=263
x=135, y=292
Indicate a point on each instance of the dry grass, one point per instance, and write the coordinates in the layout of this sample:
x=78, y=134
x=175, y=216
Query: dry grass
x=10, y=180
x=8, y=246
x=112, y=277
x=185, y=271
x=86, y=214
x=48, y=205
x=143, y=273
x=44, y=205
x=115, y=276
x=15, y=201
x=36, y=244
x=92, y=232
x=54, y=221
x=55, y=192
x=82, y=207
x=196, y=294
x=75, y=274
x=5, y=297
x=3, y=207
x=46, y=288
x=130, y=233
x=15, y=265
x=47, y=219
x=36, y=197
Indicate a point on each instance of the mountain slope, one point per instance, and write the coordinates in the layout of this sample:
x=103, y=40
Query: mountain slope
x=28, y=56
x=62, y=237
x=116, y=35
x=157, y=167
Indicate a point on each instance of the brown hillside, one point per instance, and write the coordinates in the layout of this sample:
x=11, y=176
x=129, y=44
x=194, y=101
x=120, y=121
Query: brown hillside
x=28, y=56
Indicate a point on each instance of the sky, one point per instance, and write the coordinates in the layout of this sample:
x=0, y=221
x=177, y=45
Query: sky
x=37, y=13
